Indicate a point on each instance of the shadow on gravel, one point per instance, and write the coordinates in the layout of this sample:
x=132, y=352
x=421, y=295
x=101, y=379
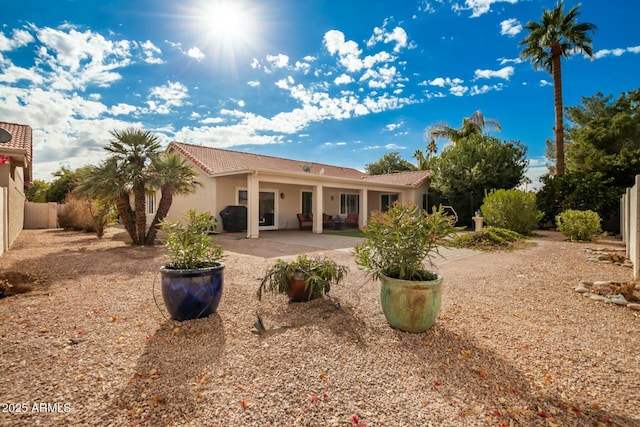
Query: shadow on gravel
x=490, y=387
x=163, y=382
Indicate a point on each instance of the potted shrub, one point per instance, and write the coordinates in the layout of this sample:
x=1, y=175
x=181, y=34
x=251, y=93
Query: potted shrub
x=192, y=280
x=397, y=244
x=303, y=279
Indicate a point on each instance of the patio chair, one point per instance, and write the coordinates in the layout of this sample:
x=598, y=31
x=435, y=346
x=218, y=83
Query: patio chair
x=305, y=221
x=352, y=220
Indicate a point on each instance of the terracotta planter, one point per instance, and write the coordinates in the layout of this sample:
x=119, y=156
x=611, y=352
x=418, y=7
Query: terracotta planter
x=296, y=291
x=410, y=306
x=192, y=294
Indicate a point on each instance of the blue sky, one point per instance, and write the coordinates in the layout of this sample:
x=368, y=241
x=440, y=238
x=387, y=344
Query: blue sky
x=338, y=82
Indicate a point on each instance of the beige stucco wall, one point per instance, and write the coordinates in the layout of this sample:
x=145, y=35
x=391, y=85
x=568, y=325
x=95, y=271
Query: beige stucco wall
x=12, y=178
x=40, y=215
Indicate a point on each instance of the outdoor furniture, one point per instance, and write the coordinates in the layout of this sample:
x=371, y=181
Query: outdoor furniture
x=327, y=221
x=340, y=223
x=352, y=220
x=305, y=221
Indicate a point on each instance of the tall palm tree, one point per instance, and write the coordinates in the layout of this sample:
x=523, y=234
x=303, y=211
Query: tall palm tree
x=134, y=149
x=172, y=176
x=473, y=125
x=555, y=36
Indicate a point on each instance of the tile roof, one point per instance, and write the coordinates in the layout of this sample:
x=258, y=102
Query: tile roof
x=412, y=178
x=217, y=160
x=21, y=138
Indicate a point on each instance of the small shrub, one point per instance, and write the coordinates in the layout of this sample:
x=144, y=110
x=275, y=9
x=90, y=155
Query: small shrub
x=82, y=214
x=489, y=238
x=514, y=210
x=579, y=225
x=76, y=215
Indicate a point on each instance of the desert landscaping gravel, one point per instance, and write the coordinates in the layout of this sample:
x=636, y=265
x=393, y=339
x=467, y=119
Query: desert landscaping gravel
x=513, y=345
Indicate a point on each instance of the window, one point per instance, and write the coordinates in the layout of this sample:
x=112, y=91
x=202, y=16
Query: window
x=243, y=197
x=349, y=203
x=151, y=203
x=307, y=205
x=387, y=200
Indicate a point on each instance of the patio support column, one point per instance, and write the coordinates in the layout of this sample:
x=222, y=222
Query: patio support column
x=317, y=208
x=253, y=205
x=363, y=215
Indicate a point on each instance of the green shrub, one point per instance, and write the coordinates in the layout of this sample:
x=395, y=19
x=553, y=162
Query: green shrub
x=579, y=225
x=489, y=238
x=514, y=210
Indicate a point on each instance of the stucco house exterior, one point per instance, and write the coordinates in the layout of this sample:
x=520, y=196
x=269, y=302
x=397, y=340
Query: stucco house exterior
x=16, y=167
x=274, y=189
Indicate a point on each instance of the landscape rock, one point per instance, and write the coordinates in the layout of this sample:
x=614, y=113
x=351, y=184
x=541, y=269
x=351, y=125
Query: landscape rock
x=619, y=300
x=633, y=306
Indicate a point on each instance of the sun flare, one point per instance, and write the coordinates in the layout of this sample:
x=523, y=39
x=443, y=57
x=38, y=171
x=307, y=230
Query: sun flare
x=226, y=19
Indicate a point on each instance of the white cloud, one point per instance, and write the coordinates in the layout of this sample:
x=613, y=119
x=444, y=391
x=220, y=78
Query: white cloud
x=503, y=73
x=479, y=7
x=343, y=79
x=479, y=90
x=348, y=51
x=510, y=60
x=398, y=36
x=609, y=52
x=510, y=27
x=253, y=83
x=545, y=83
x=163, y=98
x=634, y=49
x=18, y=39
x=278, y=61
x=195, y=53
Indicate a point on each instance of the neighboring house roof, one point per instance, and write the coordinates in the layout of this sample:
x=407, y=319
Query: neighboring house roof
x=412, y=178
x=21, y=139
x=215, y=161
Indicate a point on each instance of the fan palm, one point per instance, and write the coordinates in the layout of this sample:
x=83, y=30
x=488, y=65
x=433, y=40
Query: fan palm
x=172, y=176
x=473, y=125
x=557, y=35
x=134, y=149
x=106, y=181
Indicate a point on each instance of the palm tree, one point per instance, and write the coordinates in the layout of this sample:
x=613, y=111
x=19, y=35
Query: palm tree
x=555, y=36
x=172, y=176
x=473, y=125
x=106, y=181
x=134, y=149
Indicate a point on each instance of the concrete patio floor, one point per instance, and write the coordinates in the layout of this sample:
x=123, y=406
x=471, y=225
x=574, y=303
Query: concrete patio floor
x=284, y=243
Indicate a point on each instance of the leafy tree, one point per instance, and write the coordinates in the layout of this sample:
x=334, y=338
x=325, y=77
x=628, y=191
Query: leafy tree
x=578, y=191
x=134, y=168
x=605, y=137
x=64, y=182
x=38, y=193
x=388, y=163
x=473, y=125
x=556, y=35
x=466, y=171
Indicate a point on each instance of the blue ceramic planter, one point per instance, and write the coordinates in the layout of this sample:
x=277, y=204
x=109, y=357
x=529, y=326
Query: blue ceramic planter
x=192, y=294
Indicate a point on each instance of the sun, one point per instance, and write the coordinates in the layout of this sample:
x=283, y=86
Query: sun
x=226, y=19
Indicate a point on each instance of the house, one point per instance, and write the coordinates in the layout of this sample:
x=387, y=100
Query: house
x=16, y=155
x=274, y=189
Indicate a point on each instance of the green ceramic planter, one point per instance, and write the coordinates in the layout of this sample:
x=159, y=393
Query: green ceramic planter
x=410, y=306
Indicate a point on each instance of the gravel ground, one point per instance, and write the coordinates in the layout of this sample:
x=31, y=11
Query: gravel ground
x=513, y=345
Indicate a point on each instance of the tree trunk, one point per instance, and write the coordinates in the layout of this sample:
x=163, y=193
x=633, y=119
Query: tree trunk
x=140, y=210
x=127, y=218
x=161, y=213
x=557, y=102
